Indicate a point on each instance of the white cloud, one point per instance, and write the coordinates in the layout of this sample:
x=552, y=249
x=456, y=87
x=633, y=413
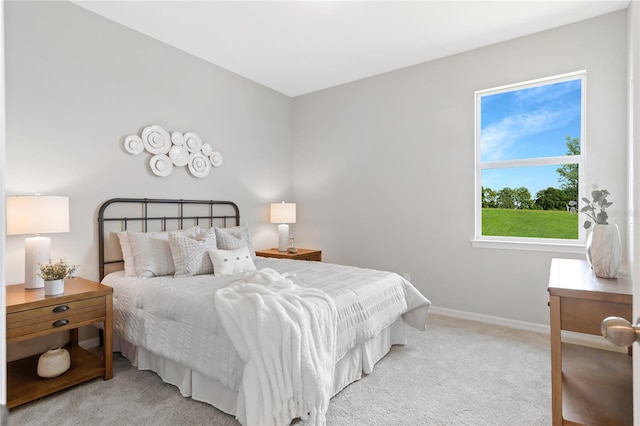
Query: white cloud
x=498, y=140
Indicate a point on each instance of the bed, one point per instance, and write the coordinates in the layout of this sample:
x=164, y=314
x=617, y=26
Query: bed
x=194, y=304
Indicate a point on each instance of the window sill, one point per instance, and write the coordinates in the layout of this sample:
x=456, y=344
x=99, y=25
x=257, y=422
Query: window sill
x=551, y=247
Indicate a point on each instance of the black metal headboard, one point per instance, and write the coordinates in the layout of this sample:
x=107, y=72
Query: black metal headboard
x=147, y=214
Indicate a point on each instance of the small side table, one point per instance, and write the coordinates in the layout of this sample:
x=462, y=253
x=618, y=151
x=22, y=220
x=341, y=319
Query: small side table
x=589, y=386
x=31, y=314
x=302, y=254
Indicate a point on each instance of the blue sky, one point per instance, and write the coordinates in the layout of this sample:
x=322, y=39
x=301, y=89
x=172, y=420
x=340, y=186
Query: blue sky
x=528, y=123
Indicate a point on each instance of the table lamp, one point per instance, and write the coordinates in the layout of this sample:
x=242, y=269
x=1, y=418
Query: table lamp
x=36, y=214
x=283, y=213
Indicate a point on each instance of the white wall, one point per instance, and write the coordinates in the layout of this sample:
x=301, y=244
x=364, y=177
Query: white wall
x=77, y=84
x=383, y=168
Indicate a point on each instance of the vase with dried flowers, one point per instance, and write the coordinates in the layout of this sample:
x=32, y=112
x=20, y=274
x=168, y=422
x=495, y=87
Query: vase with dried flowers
x=54, y=274
x=604, y=248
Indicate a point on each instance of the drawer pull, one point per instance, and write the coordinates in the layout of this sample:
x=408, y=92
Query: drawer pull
x=60, y=308
x=60, y=322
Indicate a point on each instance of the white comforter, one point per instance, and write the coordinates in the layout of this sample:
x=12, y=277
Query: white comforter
x=176, y=317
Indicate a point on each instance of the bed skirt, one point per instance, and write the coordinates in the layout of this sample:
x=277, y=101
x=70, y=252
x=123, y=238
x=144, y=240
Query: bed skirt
x=356, y=362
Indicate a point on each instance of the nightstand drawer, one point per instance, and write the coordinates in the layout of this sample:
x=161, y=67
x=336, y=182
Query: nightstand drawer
x=61, y=316
x=301, y=254
x=315, y=257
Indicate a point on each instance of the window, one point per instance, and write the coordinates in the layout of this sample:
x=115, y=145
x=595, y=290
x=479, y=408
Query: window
x=530, y=145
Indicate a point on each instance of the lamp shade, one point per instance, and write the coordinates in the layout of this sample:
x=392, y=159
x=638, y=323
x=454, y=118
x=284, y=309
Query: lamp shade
x=37, y=214
x=283, y=212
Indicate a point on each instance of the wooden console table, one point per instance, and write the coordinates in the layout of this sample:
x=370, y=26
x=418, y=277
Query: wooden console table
x=588, y=386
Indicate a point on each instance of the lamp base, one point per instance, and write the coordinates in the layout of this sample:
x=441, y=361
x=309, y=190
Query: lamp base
x=283, y=237
x=36, y=250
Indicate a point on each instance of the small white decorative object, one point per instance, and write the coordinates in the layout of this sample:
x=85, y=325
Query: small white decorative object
x=53, y=287
x=53, y=363
x=193, y=142
x=161, y=165
x=604, y=250
x=206, y=149
x=133, y=144
x=179, y=155
x=156, y=140
x=178, y=149
x=216, y=159
x=177, y=138
x=292, y=245
x=199, y=165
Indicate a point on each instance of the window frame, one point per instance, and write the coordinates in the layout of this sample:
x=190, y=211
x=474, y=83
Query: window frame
x=528, y=243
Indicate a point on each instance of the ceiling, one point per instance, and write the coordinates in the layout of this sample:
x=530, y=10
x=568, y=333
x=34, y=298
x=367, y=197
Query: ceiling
x=298, y=47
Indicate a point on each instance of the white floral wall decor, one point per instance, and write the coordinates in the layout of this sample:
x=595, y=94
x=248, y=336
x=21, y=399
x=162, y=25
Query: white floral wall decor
x=179, y=149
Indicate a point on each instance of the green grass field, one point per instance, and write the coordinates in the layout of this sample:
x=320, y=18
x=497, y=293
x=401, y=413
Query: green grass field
x=530, y=223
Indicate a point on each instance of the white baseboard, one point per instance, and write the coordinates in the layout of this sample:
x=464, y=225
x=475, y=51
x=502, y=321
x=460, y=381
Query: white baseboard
x=94, y=342
x=488, y=319
x=567, y=336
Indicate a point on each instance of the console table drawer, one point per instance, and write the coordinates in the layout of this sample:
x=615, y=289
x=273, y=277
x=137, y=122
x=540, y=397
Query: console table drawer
x=585, y=316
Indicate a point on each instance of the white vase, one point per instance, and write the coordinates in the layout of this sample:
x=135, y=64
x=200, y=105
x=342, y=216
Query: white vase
x=604, y=250
x=53, y=287
x=53, y=363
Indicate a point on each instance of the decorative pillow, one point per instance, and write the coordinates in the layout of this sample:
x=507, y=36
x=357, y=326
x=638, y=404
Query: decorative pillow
x=190, y=255
x=151, y=252
x=127, y=255
x=228, y=238
x=226, y=262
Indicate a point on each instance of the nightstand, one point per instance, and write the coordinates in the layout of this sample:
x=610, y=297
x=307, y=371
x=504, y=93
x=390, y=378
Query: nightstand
x=31, y=314
x=302, y=254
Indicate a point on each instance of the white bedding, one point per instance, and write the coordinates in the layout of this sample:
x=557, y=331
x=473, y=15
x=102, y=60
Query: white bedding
x=175, y=318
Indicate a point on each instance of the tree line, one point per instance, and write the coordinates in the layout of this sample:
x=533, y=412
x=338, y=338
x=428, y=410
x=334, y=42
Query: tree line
x=546, y=199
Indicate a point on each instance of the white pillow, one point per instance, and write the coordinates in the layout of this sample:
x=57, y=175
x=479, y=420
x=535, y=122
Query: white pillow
x=151, y=252
x=190, y=255
x=127, y=255
x=226, y=262
x=228, y=238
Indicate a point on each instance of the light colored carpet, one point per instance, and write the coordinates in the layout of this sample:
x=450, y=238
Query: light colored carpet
x=458, y=372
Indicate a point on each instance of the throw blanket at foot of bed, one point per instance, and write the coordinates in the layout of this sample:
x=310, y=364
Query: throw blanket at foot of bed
x=286, y=336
